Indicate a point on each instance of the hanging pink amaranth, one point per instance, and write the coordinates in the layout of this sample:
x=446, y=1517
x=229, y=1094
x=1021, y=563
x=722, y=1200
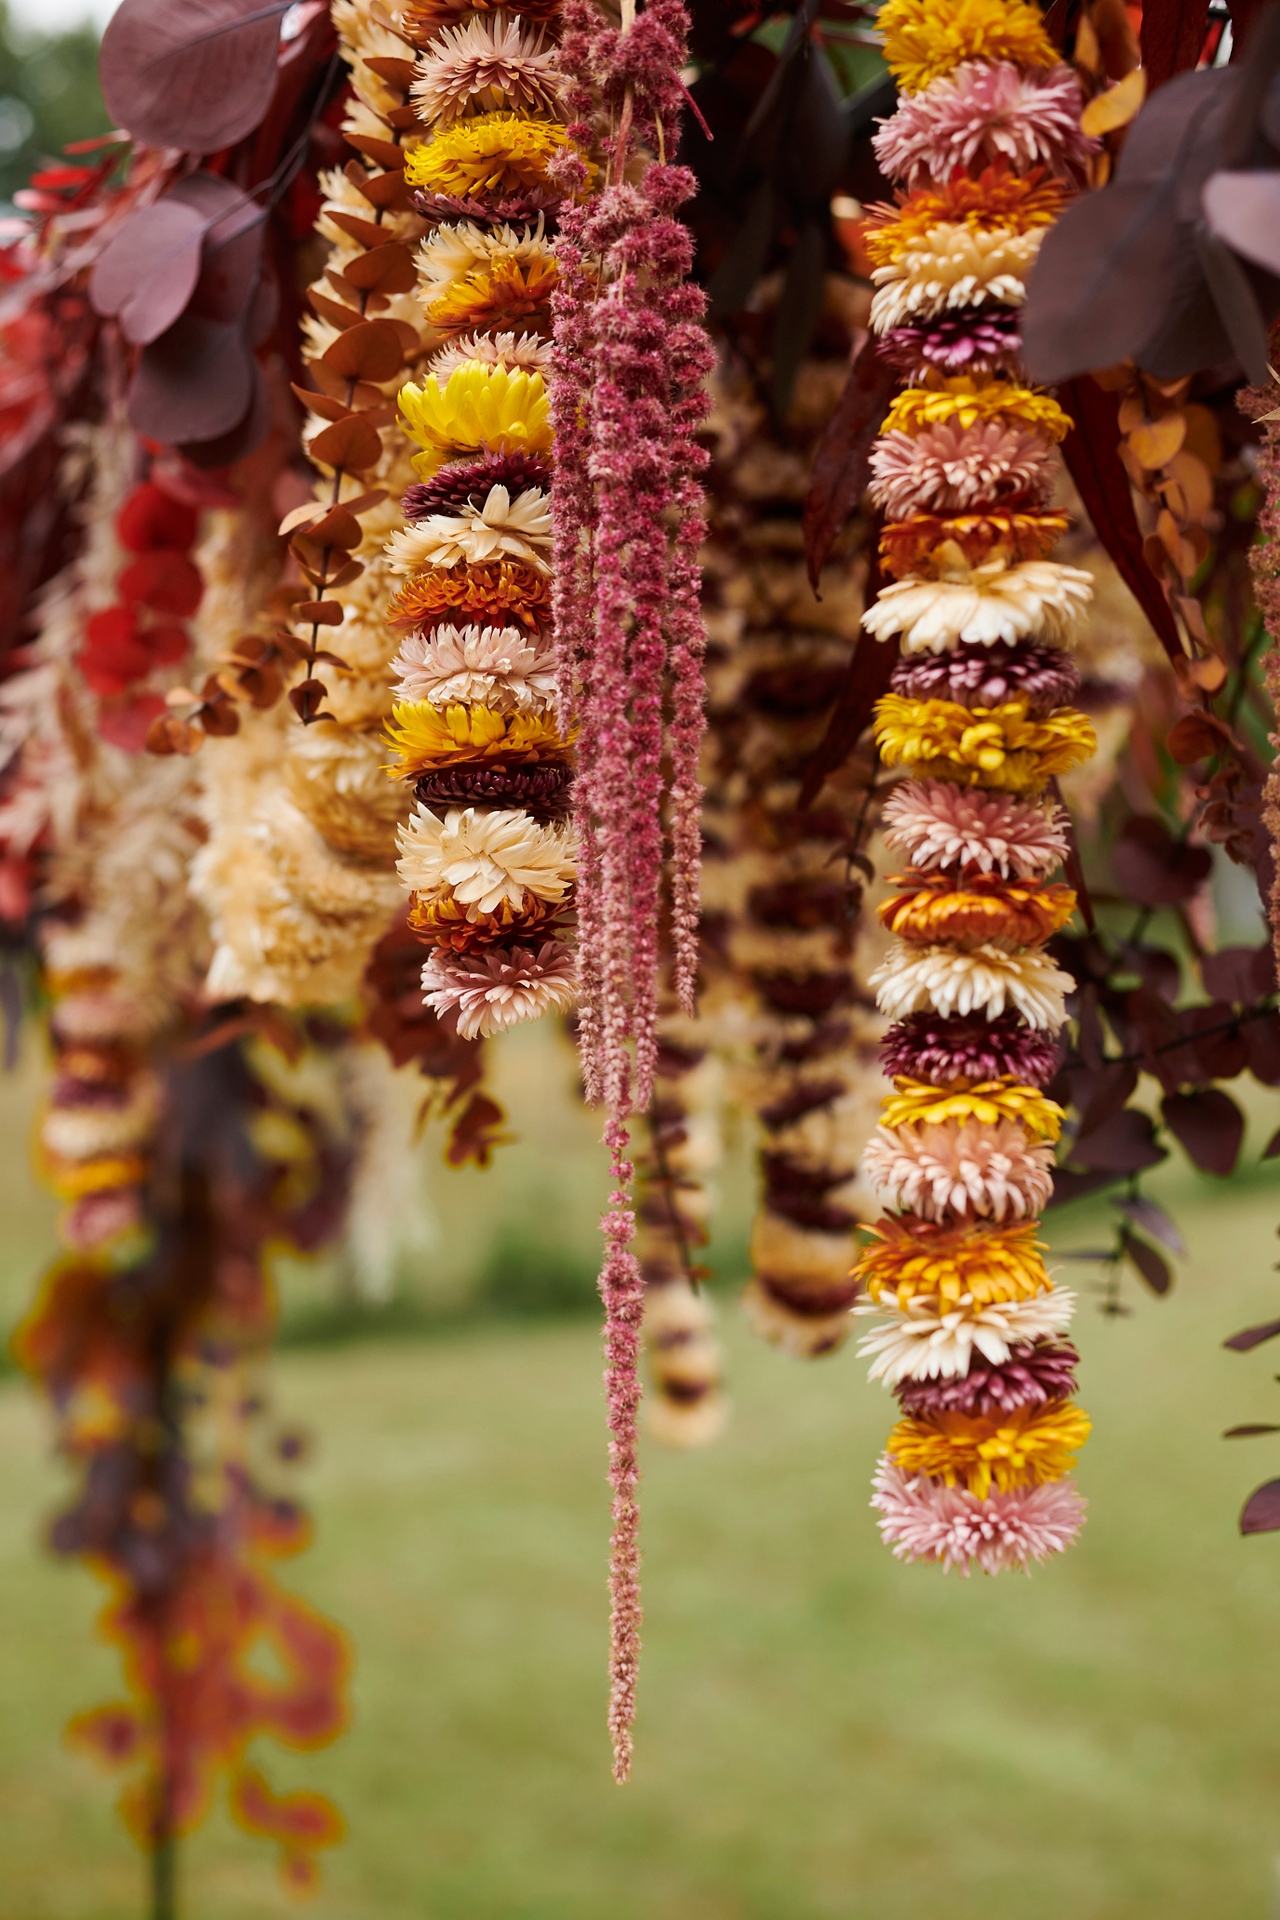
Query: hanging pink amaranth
x=630, y=359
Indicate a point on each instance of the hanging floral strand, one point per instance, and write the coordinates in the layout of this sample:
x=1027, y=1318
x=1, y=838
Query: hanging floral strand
x=971, y=1333
x=630, y=358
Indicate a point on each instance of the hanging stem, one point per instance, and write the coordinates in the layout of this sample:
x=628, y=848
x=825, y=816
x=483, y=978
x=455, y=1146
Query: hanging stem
x=164, y=1870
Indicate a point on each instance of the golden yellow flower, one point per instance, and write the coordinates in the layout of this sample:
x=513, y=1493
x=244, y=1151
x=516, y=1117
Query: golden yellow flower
x=425, y=736
x=994, y=199
x=951, y=1266
x=1026, y=1448
x=923, y=39
x=967, y=402
x=501, y=293
x=996, y=747
x=501, y=409
x=496, y=153
x=935, y=909
x=917, y=1104
x=72, y=1179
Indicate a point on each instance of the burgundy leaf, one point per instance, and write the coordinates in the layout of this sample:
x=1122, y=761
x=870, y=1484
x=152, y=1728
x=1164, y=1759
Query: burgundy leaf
x=1124, y=1144
x=1153, y=1267
x=1209, y=1126
x=868, y=677
x=1152, y=868
x=1219, y=1055
x=1262, y=1509
x=1172, y=35
x=198, y=77
x=1099, y=1095
x=1240, y=974
x=1156, y=968
x=148, y=270
x=1153, y=1220
x=1247, y=1431
x=225, y=449
x=1103, y=283
x=1069, y=1186
x=1262, y=1048
x=232, y=257
x=1253, y=1337
x=1091, y=451
x=1244, y=210
x=1272, y=1149
x=840, y=467
x=193, y=383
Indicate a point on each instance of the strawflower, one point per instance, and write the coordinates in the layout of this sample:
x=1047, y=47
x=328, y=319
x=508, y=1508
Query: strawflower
x=497, y=153
x=990, y=1103
x=961, y=1048
x=1001, y=747
x=502, y=528
x=1032, y=1376
x=482, y=859
x=966, y=402
x=1041, y=676
x=912, y=979
x=500, y=987
x=1024, y=1448
x=993, y=199
x=922, y=1341
x=485, y=65
x=953, y=267
x=478, y=406
x=951, y=468
x=936, y=823
x=988, y=113
x=509, y=350
x=910, y=546
x=987, y=908
x=500, y=668
x=975, y=1263
x=965, y=1166
x=464, y=483
x=925, y=39
x=423, y=735
x=490, y=595
x=1006, y=1531
x=1041, y=599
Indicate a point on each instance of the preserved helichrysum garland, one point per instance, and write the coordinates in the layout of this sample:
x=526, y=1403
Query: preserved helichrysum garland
x=487, y=855
x=971, y=1328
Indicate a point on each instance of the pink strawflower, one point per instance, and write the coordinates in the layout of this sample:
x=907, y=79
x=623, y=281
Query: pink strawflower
x=935, y=823
x=1031, y=1377
x=986, y=112
x=960, y=1167
x=953, y=469
x=965, y=1047
x=1045, y=677
x=921, y=1520
x=98, y=1218
x=971, y=342
x=500, y=986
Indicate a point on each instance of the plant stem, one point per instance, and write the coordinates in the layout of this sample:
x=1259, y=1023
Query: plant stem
x=164, y=1876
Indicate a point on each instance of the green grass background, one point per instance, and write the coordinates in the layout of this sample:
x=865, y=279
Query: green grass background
x=823, y=1734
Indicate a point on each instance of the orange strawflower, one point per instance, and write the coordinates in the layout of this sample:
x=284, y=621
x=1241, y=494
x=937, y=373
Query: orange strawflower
x=500, y=294
x=1019, y=202
x=1026, y=1448
x=933, y=909
x=929, y=542
x=486, y=596
x=444, y=923
x=913, y=1259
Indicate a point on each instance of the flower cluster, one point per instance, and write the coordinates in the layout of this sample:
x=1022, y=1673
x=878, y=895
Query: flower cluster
x=486, y=855
x=988, y=143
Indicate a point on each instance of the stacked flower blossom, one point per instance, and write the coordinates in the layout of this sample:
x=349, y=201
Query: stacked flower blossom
x=970, y=1325
x=487, y=855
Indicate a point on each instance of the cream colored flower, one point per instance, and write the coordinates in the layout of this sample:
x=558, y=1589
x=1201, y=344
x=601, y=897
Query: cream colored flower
x=919, y=1343
x=914, y=979
x=952, y=267
x=509, y=350
x=519, y=529
x=1040, y=599
x=484, y=859
x=482, y=66
x=451, y=252
x=501, y=668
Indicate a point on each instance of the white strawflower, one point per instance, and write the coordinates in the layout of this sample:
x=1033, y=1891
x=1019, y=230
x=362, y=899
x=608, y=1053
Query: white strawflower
x=984, y=980
x=1040, y=599
x=519, y=529
x=951, y=267
x=484, y=858
x=525, y=352
x=501, y=668
x=919, y=1343
x=451, y=252
x=483, y=66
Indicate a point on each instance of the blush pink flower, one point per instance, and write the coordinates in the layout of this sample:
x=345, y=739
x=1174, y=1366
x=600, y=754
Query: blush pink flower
x=936, y=824
x=986, y=112
x=921, y=1520
x=960, y=1167
x=950, y=468
x=499, y=986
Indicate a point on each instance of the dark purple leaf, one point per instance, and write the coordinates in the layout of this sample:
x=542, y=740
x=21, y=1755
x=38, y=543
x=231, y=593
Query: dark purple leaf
x=1209, y=1126
x=1253, y=1337
x=1156, y=969
x=232, y=256
x=1099, y=1095
x=1236, y=300
x=1152, y=1219
x=1124, y=1144
x=1172, y=35
x=1248, y=1431
x=1152, y=1266
x=1221, y=1054
x=148, y=270
x=1102, y=283
x=1240, y=974
x=197, y=76
x=1262, y=1509
x=193, y=383
x=840, y=467
x=1154, y=869
x=241, y=439
x=1244, y=210
x=1068, y=1186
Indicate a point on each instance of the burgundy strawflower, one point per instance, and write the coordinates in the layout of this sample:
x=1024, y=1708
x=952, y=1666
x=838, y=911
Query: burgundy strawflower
x=977, y=341
x=514, y=210
x=1030, y=1377
x=925, y=1046
x=467, y=482
x=1045, y=677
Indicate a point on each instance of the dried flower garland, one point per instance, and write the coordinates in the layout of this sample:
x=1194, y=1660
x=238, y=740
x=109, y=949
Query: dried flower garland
x=975, y=1472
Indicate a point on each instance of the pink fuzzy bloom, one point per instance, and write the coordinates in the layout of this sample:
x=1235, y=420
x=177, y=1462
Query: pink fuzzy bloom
x=953, y=469
x=979, y=676
x=1032, y=1376
x=960, y=1167
x=934, y=824
x=500, y=986
x=984, y=113
x=921, y=1520
x=965, y=1047
x=970, y=342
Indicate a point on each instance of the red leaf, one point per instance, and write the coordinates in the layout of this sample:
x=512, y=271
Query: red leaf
x=1219, y=1055
x=1252, y=1337
x=1091, y=454
x=194, y=78
x=152, y=518
x=1262, y=1048
x=1262, y=1509
x=1240, y=974
x=128, y=724
x=147, y=271
x=840, y=467
x=163, y=580
x=1209, y=1126
x=193, y=383
x=1172, y=35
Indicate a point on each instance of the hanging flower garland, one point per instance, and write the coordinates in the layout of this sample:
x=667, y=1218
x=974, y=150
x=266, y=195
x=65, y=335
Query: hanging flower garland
x=487, y=855
x=971, y=1326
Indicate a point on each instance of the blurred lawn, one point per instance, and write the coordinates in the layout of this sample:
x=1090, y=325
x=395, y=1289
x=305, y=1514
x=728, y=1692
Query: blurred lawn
x=824, y=1735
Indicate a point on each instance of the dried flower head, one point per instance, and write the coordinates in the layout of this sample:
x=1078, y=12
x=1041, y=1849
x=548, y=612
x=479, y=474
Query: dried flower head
x=927, y=543
x=982, y=340
x=485, y=65
x=963, y=1166
x=972, y=1263
x=1042, y=677
x=950, y=468
x=490, y=596
x=499, y=987
x=1041, y=599
x=1000, y=747
x=423, y=735
x=1031, y=1377
x=962, y=1049
x=989, y=1103
x=993, y=198
x=481, y=859
x=911, y=980
x=1004, y=1532
x=479, y=406
x=920, y=1340
x=1026, y=1447
x=988, y=113
x=465, y=483
x=953, y=267
x=938, y=824
x=985, y=907
x=925, y=39
x=968, y=402
x=510, y=350
x=496, y=153
x=503, y=528
x=501, y=668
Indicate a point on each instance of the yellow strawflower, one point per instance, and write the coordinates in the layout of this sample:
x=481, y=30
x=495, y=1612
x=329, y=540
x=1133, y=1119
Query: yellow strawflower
x=917, y=1104
x=500, y=409
x=923, y=39
x=426, y=736
x=1026, y=1448
x=998, y=747
x=967, y=402
x=948, y=1266
x=496, y=153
